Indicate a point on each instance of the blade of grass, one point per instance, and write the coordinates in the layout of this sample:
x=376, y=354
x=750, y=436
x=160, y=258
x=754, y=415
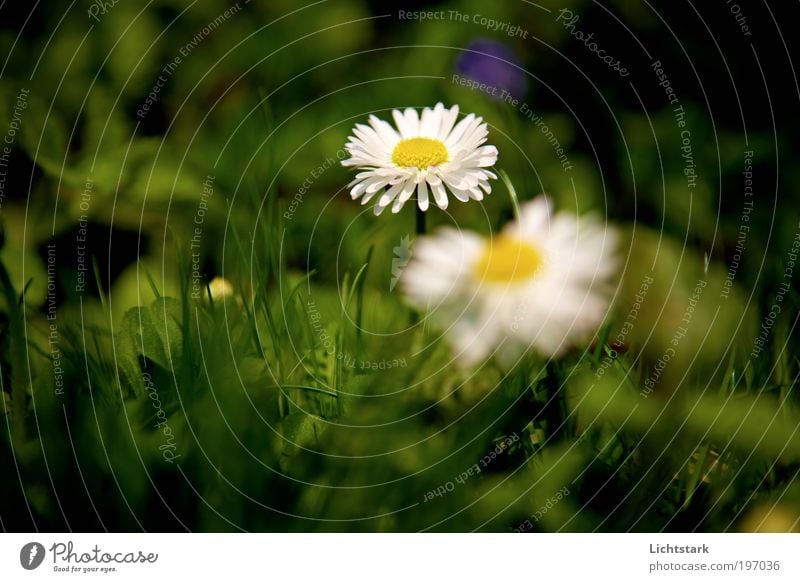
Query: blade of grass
x=360, y=293
x=696, y=476
x=512, y=192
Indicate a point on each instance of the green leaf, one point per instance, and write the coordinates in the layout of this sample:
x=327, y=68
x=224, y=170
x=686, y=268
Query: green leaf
x=299, y=431
x=152, y=332
x=756, y=426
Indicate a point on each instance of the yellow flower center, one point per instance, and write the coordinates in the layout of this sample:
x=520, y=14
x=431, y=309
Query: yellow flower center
x=508, y=260
x=420, y=152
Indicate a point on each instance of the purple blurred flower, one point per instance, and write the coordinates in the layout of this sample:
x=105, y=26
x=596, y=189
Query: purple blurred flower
x=492, y=62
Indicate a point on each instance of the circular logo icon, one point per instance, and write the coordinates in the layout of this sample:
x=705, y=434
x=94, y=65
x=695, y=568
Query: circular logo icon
x=31, y=555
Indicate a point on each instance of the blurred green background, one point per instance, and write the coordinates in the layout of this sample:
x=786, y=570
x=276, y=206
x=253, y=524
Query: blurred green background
x=153, y=147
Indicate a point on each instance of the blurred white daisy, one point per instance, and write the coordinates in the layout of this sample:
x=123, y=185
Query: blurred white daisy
x=428, y=154
x=543, y=282
x=220, y=288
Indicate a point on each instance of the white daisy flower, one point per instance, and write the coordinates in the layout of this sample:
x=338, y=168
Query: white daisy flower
x=543, y=282
x=428, y=154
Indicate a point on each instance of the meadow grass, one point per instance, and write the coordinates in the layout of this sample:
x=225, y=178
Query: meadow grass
x=276, y=410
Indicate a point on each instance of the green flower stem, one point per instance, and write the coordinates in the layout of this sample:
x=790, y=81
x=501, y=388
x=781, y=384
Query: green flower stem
x=421, y=229
x=421, y=226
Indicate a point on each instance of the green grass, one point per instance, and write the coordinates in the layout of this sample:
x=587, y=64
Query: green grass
x=282, y=409
x=279, y=423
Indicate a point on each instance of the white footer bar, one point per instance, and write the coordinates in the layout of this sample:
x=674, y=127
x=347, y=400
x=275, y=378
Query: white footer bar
x=389, y=557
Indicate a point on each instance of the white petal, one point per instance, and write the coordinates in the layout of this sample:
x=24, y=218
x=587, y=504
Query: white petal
x=386, y=132
x=458, y=130
x=461, y=195
x=534, y=217
x=422, y=196
x=429, y=123
x=412, y=121
x=408, y=190
x=448, y=120
x=358, y=190
x=387, y=197
x=439, y=195
x=376, y=185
